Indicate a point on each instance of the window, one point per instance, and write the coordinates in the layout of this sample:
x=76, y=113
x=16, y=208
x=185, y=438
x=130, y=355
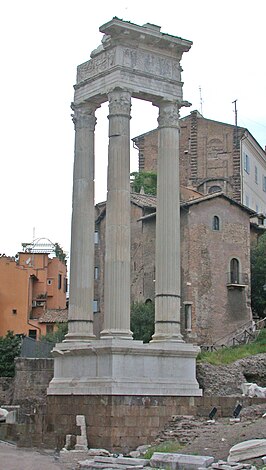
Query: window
x=95, y=306
x=96, y=237
x=96, y=273
x=188, y=317
x=247, y=164
x=49, y=282
x=59, y=281
x=216, y=223
x=234, y=271
x=14, y=311
x=65, y=284
x=214, y=189
x=256, y=174
x=247, y=200
x=264, y=183
x=33, y=334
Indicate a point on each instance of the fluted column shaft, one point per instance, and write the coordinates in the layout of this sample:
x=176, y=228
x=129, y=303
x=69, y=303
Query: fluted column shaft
x=117, y=251
x=80, y=324
x=167, y=278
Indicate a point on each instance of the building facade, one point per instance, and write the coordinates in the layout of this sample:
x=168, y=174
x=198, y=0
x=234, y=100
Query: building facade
x=215, y=263
x=31, y=284
x=214, y=156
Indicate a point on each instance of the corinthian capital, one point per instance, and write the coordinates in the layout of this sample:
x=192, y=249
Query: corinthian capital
x=119, y=102
x=168, y=114
x=84, y=115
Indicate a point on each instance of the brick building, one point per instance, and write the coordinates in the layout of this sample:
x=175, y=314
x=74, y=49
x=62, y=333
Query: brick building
x=32, y=293
x=215, y=262
x=214, y=156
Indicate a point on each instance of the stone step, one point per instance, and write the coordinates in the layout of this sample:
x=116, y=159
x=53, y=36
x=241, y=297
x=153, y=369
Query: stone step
x=92, y=465
x=129, y=461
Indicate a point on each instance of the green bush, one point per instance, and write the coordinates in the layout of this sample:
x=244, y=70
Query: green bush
x=146, y=180
x=142, y=320
x=58, y=335
x=10, y=346
x=258, y=277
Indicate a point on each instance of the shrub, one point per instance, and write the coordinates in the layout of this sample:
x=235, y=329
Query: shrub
x=9, y=349
x=142, y=321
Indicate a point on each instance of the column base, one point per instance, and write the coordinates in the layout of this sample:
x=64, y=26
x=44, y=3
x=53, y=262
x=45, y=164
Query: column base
x=159, y=337
x=118, y=334
x=74, y=337
x=119, y=367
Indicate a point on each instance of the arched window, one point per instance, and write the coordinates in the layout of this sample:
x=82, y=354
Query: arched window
x=234, y=271
x=216, y=223
x=214, y=189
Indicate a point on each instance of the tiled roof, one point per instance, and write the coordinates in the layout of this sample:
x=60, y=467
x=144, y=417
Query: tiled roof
x=143, y=200
x=186, y=194
x=54, y=316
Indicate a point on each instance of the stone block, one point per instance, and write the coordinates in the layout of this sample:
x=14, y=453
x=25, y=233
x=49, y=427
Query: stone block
x=128, y=461
x=247, y=450
x=173, y=461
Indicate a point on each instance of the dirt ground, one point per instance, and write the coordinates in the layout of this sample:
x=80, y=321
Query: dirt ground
x=202, y=438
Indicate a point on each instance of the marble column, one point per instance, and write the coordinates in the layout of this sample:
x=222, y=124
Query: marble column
x=80, y=324
x=117, y=250
x=167, y=276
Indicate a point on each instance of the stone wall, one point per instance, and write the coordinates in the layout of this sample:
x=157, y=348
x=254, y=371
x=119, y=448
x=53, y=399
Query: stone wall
x=217, y=308
x=32, y=378
x=120, y=423
x=6, y=390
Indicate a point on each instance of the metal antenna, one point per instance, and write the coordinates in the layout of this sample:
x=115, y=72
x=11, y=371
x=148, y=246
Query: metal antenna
x=200, y=100
x=234, y=102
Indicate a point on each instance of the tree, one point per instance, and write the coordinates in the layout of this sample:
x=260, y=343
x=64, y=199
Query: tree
x=9, y=349
x=58, y=335
x=142, y=320
x=146, y=180
x=258, y=277
x=59, y=252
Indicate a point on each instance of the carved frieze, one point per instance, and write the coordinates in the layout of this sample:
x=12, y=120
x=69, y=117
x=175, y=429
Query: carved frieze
x=103, y=61
x=135, y=59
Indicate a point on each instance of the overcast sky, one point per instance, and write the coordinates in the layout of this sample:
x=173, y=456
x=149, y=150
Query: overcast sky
x=42, y=42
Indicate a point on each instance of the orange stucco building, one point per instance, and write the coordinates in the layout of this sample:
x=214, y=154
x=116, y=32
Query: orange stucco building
x=31, y=284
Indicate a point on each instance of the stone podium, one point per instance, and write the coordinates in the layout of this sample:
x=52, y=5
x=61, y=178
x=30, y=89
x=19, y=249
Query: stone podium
x=139, y=62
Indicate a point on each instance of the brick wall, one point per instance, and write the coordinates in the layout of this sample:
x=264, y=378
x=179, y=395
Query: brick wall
x=121, y=423
x=207, y=154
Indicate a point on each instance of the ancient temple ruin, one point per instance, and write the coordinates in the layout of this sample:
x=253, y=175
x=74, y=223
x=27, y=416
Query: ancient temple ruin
x=131, y=62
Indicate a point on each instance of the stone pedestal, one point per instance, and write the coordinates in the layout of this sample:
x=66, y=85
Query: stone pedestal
x=116, y=367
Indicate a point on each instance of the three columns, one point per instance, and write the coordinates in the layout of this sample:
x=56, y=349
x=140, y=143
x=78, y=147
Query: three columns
x=117, y=254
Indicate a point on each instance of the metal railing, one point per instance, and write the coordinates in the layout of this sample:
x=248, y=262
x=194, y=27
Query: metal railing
x=247, y=333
